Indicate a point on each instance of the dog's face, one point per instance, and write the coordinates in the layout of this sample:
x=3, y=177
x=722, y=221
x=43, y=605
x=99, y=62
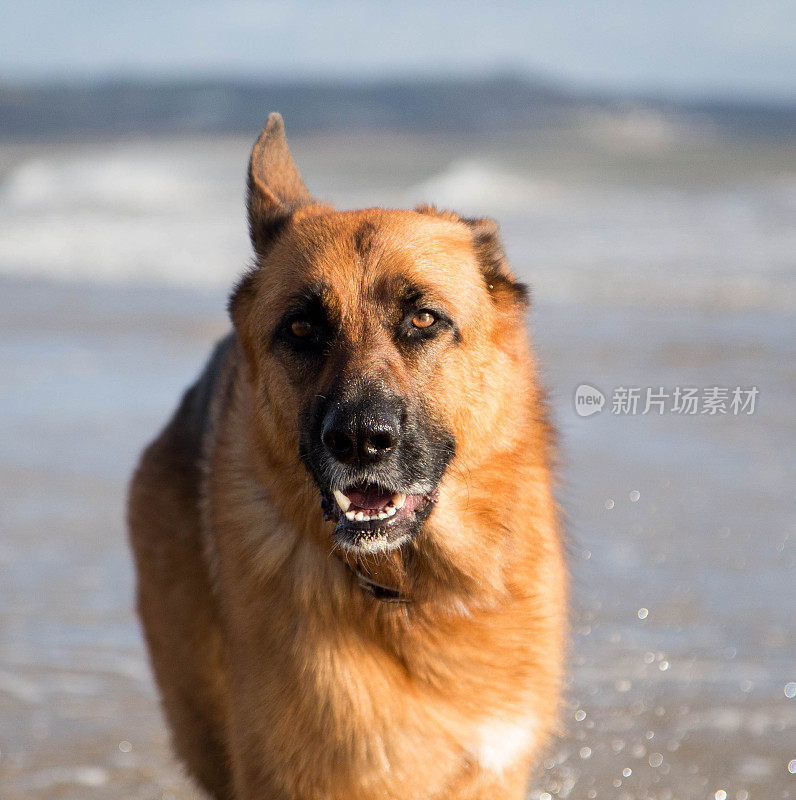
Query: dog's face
x=364, y=332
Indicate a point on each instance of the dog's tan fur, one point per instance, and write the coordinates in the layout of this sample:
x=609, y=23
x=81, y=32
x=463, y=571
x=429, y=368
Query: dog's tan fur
x=281, y=678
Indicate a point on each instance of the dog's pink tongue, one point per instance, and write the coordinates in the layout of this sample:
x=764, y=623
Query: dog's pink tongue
x=370, y=497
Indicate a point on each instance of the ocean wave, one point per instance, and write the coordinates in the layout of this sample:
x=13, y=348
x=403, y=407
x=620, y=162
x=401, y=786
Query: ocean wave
x=108, y=181
x=125, y=215
x=171, y=214
x=473, y=186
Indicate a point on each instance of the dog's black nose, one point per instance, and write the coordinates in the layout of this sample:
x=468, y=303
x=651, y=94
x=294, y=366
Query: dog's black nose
x=363, y=433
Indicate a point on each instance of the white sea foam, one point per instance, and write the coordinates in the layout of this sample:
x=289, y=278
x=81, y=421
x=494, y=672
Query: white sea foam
x=126, y=215
x=89, y=776
x=729, y=247
x=171, y=213
x=107, y=182
x=20, y=688
x=475, y=187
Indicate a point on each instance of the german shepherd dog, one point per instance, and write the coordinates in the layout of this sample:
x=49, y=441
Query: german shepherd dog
x=349, y=561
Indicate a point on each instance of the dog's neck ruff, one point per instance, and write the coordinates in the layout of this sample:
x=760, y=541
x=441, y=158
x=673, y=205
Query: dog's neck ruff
x=386, y=594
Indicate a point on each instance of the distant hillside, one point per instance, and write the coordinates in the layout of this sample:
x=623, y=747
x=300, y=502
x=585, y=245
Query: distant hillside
x=79, y=110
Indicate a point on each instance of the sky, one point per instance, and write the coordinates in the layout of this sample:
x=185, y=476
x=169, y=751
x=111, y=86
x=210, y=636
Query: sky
x=675, y=47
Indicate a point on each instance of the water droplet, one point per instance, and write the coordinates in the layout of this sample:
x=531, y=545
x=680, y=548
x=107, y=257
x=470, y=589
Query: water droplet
x=720, y=795
x=609, y=504
x=580, y=715
x=649, y=657
x=585, y=752
x=125, y=746
x=792, y=767
x=746, y=686
x=643, y=613
x=592, y=794
x=663, y=666
x=545, y=796
x=790, y=690
x=617, y=782
x=742, y=795
x=627, y=772
x=656, y=759
x=635, y=495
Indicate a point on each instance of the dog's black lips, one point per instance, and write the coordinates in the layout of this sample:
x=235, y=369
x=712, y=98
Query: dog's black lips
x=332, y=511
x=420, y=460
x=378, y=534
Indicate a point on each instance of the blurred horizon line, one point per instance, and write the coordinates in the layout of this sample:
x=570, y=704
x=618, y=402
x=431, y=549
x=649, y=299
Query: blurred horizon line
x=505, y=100
x=507, y=73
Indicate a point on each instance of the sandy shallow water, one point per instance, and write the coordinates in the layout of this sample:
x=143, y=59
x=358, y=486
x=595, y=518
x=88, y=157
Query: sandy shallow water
x=686, y=702
x=658, y=257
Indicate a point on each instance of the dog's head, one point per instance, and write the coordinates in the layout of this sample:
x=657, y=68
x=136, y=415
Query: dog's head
x=384, y=348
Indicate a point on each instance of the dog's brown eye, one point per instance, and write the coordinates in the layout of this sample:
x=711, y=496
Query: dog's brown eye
x=423, y=319
x=301, y=328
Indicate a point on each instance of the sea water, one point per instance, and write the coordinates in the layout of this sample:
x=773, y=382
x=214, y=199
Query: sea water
x=658, y=258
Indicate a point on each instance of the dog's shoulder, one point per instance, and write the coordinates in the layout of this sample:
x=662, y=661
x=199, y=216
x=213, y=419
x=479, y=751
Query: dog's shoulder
x=203, y=400
x=180, y=449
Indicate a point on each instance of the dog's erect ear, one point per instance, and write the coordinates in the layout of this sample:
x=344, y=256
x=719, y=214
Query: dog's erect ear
x=275, y=185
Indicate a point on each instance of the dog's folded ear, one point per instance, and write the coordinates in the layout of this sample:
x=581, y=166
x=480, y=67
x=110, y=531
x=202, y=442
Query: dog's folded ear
x=275, y=187
x=489, y=249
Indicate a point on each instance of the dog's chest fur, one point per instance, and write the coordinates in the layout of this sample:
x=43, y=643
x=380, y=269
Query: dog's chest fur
x=337, y=693
x=333, y=715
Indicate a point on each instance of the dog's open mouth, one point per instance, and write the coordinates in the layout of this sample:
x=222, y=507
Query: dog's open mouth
x=372, y=518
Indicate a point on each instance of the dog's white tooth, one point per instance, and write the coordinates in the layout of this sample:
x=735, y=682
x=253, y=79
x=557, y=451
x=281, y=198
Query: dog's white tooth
x=383, y=515
x=399, y=499
x=350, y=514
x=359, y=516
x=342, y=500
x=391, y=511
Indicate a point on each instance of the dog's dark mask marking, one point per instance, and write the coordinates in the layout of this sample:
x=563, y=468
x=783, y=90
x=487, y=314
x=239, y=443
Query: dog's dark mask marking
x=377, y=457
x=371, y=445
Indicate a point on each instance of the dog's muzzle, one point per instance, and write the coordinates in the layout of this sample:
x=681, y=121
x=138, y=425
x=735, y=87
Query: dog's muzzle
x=377, y=464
